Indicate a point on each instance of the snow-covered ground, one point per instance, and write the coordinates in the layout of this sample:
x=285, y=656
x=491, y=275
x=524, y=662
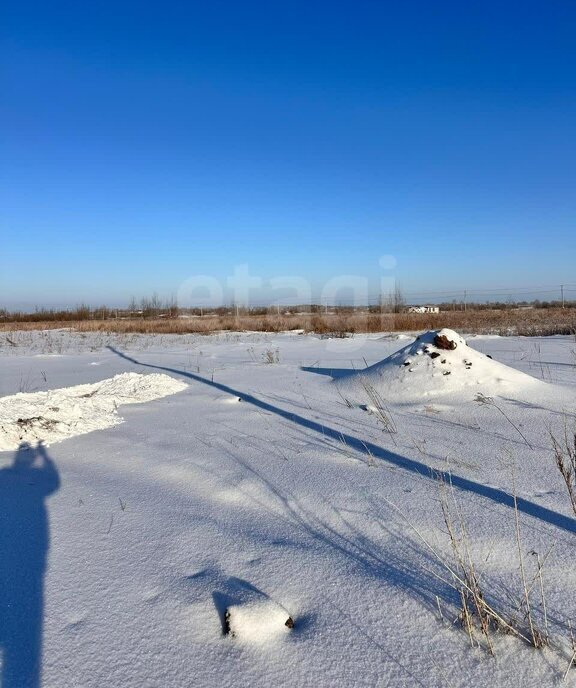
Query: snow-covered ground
x=278, y=480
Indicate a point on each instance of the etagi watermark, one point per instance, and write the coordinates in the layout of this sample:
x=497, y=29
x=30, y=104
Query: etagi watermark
x=245, y=290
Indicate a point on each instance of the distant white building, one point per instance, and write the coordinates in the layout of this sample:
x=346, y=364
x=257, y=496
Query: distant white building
x=423, y=309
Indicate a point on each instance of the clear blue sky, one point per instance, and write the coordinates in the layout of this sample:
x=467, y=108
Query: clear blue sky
x=146, y=142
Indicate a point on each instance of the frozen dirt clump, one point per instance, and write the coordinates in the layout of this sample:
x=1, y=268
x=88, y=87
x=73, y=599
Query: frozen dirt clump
x=258, y=620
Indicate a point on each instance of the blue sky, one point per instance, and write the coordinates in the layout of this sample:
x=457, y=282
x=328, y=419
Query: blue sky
x=143, y=143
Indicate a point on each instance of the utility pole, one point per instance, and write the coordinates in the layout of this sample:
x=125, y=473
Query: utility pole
x=465, y=295
x=562, y=294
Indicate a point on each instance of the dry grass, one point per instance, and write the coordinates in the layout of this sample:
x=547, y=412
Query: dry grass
x=379, y=409
x=530, y=322
x=483, y=400
x=565, y=456
x=476, y=613
x=483, y=618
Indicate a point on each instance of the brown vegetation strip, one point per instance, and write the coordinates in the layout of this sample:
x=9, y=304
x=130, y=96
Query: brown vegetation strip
x=529, y=322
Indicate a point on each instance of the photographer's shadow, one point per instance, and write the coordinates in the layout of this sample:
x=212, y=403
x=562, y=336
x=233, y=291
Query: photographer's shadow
x=24, y=542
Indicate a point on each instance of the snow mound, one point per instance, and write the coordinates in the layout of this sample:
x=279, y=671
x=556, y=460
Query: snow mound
x=62, y=413
x=258, y=620
x=438, y=363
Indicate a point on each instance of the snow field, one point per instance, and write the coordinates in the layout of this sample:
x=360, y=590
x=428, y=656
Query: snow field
x=199, y=503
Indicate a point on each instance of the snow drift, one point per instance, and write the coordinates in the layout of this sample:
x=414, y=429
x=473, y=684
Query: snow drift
x=61, y=413
x=437, y=364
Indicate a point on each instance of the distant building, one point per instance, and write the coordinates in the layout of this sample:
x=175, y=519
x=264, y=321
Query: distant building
x=423, y=309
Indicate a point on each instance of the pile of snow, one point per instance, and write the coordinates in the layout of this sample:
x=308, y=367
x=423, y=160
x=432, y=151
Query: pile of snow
x=61, y=413
x=258, y=620
x=437, y=364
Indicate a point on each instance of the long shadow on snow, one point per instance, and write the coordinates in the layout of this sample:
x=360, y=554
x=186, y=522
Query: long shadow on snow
x=350, y=540
x=494, y=494
x=24, y=541
x=403, y=565
x=329, y=372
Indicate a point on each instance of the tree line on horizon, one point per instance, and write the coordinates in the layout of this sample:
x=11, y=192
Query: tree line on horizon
x=154, y=307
